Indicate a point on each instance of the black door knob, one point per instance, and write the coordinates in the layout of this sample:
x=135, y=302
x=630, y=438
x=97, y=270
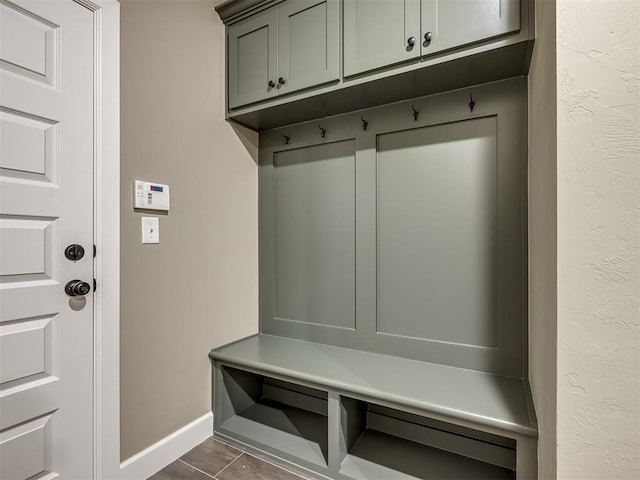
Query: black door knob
x=74, y=252
x=76, y=288
x=272, y=83
x=411, y=41
x=281, y=81
x=427, y=37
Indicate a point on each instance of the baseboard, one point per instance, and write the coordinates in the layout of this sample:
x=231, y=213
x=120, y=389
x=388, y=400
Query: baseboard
x=154, y=458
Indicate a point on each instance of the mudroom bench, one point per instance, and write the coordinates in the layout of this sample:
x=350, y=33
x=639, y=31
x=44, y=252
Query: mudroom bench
x=352, y=414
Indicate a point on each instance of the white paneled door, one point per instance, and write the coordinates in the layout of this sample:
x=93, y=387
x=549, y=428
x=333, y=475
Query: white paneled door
x=46, y=205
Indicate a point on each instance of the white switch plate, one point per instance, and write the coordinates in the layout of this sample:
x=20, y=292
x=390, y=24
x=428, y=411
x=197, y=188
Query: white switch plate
x=150, y=230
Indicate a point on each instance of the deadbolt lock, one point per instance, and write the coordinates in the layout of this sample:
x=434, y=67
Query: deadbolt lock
x=74, y=252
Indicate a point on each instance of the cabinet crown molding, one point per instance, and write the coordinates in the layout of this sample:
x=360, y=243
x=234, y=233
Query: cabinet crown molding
x=229, y=11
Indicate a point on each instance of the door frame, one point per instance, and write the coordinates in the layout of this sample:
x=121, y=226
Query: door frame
x=106, y=158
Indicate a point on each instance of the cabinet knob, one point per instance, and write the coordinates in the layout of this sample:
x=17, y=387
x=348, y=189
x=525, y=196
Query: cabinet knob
x=271, y=83
x=427, y=37
x=411, y=41
x=281, y=81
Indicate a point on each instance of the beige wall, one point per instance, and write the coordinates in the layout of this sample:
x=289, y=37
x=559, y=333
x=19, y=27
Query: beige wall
x=198, y=287
x=598, y=45
x=542, y=233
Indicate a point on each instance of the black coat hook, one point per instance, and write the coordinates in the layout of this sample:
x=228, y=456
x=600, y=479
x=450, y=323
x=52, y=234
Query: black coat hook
x=286, y=139
x=471, y=103
x=415, y=113
x=323, y=132
x=365, y=124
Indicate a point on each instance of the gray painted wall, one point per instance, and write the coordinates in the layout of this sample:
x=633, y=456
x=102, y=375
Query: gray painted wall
x=198, y=288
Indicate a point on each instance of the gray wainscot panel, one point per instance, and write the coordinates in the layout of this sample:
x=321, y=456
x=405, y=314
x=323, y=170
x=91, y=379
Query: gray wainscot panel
x=315, y=234
x=437, y=232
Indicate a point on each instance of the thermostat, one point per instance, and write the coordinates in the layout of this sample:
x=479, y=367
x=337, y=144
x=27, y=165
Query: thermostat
x=152, y=196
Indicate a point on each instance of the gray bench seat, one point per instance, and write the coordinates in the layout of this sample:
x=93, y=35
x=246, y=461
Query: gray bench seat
x=472, y=397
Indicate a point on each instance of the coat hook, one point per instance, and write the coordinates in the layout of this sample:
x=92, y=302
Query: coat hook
x=471, y=103
x=286, y=139
x=415, y=113
x=323, y=131
x=365, y=124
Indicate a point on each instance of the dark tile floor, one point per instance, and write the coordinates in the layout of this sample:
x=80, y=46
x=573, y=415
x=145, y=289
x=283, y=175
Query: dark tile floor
x=217, y=460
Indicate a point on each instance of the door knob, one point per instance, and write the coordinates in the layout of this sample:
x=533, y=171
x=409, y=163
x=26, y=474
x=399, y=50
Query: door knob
x=271, y=83
x=411, y=41
x=281, y=81
x=74, y=252
x=427, y=37
x=76, y=288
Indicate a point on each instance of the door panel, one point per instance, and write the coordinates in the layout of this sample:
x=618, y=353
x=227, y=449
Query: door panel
x=28, y=44
x=376, y=33
x=253, y=49
x=308, y=42
x=460, y=22
x=24, y=448
x=21, y=348
x=46, y=203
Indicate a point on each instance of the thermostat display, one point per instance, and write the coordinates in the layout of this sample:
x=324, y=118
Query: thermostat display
x=152, y=196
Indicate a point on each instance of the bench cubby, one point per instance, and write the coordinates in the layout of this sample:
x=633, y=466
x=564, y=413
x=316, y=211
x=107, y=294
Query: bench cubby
x=281, y=418
x=388, y=443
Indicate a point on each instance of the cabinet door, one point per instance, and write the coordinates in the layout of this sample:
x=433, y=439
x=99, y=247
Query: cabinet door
x=308, y=43
x=253, y=49
x=453, y=23
x=377, y=32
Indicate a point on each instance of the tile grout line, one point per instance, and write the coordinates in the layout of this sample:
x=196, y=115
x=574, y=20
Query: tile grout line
x=262, y=458
x=235, y=447
x=228, y=465
x=278, y=466
x=195, y=468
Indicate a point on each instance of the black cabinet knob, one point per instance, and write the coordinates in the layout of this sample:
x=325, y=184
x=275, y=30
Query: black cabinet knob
x=281, y=81
x=272, y=83
x=77, y=288
x=427, y=37
x=411, y=41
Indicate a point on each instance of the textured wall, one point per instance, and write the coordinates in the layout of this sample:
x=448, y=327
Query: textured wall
x=198, y=287
x=598, y=57
x=543, y=234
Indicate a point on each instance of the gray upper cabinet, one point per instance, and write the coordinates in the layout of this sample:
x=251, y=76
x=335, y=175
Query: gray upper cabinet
x=308, y=44
x=253, y=63
x=378, y=33
x=293, y=60
x=454, y=23
x=289, y=47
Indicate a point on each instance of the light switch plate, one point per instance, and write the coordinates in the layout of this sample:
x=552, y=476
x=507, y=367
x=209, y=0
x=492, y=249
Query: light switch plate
x=150, y=230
